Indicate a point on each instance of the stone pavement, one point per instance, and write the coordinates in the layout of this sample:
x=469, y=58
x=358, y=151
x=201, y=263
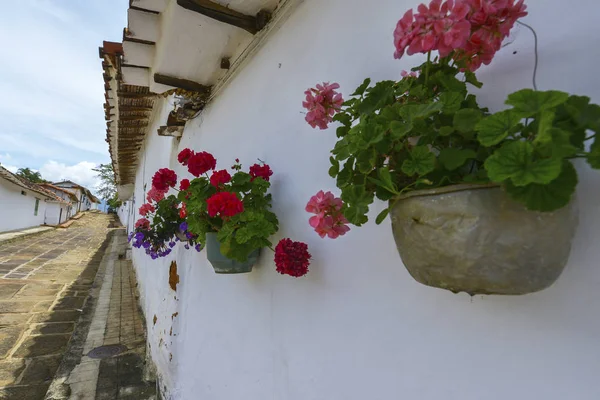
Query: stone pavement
x=62, y=294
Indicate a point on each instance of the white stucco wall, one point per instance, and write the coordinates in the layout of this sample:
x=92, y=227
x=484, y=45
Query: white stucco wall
x=53, y=214
x=358, y=326
x=16, y=210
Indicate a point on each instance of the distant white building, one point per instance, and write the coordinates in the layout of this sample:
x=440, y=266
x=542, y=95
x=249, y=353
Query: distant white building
x=24, y=204
x=85, y=199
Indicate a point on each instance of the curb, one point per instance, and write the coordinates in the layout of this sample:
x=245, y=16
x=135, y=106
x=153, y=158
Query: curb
x=26, y=235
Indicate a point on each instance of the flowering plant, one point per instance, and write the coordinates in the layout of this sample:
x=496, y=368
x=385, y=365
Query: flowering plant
x=237, y=207
x=163, y=219
x=426, y=130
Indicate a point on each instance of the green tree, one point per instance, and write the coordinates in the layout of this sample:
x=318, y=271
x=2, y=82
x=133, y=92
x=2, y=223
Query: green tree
x=108, y=185
x=30, y=175
x=107, y=189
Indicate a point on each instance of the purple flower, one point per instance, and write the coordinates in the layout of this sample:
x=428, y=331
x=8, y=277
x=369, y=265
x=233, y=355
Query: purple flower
x=146, y=245
x=139, y=236
x=188, y=235
x=130, y=236
x=187, y=246
x=198, y=247
x=172, y=244
x=183, y=226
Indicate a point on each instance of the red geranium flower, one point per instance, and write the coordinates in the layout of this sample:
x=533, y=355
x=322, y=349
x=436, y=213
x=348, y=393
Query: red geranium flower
x=200, y=163
x=292, y=258
x=183, y=211
x=155, y=195
x=163, y=179
x=225, y=204
x=262, y=171
x=184, y=184
x=219, y=178
x=146, y=208
x=184, y=156
x=142, y=223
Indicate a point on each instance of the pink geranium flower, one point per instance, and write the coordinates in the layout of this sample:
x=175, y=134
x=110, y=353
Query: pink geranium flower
x=155, y=195
x=471, y=31
x=329, y=219
x=322, y=103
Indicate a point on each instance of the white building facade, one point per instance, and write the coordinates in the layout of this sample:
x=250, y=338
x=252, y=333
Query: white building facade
x=357, y=326
x=25, y=205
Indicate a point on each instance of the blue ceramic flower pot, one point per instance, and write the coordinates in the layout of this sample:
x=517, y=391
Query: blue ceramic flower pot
x=224, y=265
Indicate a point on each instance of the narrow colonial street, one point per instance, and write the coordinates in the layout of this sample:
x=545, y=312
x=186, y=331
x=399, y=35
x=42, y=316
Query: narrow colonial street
x=69, y=322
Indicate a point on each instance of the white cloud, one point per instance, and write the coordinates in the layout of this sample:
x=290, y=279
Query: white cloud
x=4, y=159
x=80, y=173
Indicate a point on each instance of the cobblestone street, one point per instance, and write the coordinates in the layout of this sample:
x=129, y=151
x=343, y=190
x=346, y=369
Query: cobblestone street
x=62, y=294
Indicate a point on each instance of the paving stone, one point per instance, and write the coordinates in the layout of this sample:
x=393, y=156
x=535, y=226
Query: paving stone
x=16, y=306
x=36, y=392
x=14, y=319
x=8, y=290
x=52, y=328
x=57, y=316
x=70, y=303
x=8, y=338
x=43, y=345
x=10, y=370
x=41, y=369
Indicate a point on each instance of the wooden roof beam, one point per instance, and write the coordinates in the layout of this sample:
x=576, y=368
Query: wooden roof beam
x=181, y=83
x=226, y=15
x=135, y=108
x=127, y=95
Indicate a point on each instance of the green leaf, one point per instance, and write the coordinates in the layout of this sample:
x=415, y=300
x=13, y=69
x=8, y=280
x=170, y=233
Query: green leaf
x=451, y=101
x=449, y=82
x=335, y=167
x=446, y=130
x=514, y=160
x=372, y=132
x=472, y=79
x=593, y=157
x=365, y=160
x=466, y=119
x=382, y=215
x=242, y=235
x=345, y=175
x=400, y=129
x=587, y=116
x=530, y=102
x=417, y=111
x=421, y=162
x=344, y=118
x=342, y=131
x=546, y=197
x=496, y=127
x=452, y=158
x=361, y=89
x=544, y=124
x=358, y=200
x=377, y=97
x=385, y=180
x=556, y=143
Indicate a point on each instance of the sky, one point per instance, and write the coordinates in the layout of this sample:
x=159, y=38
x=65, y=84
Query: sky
x=51, y=113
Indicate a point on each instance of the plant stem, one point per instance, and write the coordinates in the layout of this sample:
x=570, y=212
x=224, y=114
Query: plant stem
x=589, y=137
x=427, y=67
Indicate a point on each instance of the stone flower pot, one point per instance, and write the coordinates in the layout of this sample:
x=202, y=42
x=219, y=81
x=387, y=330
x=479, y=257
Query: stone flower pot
x=224, y=265
x=475, y=239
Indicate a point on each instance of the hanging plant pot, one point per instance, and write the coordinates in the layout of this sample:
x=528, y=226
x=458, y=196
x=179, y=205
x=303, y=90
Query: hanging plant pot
x=475, y=239
x=223, y=264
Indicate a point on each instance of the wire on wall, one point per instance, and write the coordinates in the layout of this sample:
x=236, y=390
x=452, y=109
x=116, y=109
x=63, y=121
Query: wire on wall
x=535, y=38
